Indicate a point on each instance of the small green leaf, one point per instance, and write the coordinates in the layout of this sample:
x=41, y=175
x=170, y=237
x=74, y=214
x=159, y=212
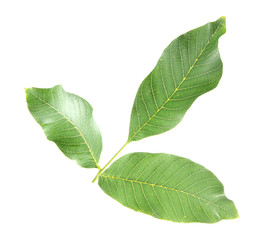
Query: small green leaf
x=167, y=187
x=67, y=120
x=189, y=67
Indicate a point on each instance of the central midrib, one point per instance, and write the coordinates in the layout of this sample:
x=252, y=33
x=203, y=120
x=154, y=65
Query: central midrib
x=177, y=87
x=167, y=188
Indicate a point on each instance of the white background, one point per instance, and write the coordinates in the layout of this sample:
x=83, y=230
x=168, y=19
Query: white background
x=102, y=50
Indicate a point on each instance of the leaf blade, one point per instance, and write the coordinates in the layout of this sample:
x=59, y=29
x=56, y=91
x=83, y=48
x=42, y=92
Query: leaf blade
x=189, y=67
x=67, y=121
x=167, y=187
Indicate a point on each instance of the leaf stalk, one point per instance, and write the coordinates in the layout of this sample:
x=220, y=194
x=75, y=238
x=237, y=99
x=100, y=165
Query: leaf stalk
x=102, y=169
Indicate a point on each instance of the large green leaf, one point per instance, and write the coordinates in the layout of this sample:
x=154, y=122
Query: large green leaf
x=167, y=187
x=67, y=120
x=189, y=67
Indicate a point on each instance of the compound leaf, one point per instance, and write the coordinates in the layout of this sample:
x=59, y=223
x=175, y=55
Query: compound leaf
x=67, y=120
x=189, y=67
x=167, y=187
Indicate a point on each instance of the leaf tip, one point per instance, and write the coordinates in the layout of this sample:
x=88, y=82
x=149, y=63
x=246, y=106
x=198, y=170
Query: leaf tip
x=223, y=18
x=222, y=21
x=237, y=215
x=234, y=211
x=26, y=90
x=58, y=86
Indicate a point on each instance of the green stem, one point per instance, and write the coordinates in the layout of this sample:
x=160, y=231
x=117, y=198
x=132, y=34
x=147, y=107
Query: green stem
x=101, y=170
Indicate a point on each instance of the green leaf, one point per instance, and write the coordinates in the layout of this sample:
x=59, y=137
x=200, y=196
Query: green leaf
x=167, y=187
x=67, y=120
x=189, y=67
